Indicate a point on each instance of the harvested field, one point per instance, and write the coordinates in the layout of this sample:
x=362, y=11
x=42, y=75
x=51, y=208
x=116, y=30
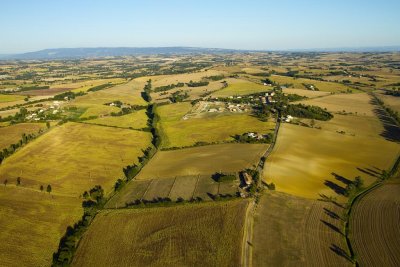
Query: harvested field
x=183, y=78
x=391, y=101
x=356, y=103
x=293, y=231
x=10, y=98
x=135, y=120
x=184, y=187
x=307, y=93
x=208, y=234
x=177, y=132
x=74, y=157
x=32, y=223
x=304, y=160
x=202, y=160
x=12, y=134
x=374, y=226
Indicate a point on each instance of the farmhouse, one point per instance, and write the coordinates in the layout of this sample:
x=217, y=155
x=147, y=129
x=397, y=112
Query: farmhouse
x=247, y=178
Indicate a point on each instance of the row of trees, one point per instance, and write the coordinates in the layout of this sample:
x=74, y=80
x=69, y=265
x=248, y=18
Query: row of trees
x=18, y=183
x=168, y=87
x=25, y=138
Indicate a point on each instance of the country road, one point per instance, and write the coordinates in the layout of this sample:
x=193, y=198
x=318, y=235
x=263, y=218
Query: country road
x=248, y=224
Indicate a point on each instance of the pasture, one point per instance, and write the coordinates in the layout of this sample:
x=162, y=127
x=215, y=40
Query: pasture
x=32, y=223
x=374, y=226
x=177, y=132
x=74, y=157
x=13, y=133
x=202, y=160
x=294, y=231
x=135, y=120
x=208, y=234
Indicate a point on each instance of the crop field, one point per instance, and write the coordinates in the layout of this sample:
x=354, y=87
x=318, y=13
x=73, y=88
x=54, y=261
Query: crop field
x=32, y=223
x=207, y=234
x=177, y=132
x=74, y=157
x=355, y=103
x=10, y=98
x=304, y=160
x=321, y=85
x=202, y=160
x=391, y=101
x=374, y=226
x=135, y=120
x=294, y=231
x=12, y=134
x=241, y=87
x=303, y=92
x=183, y=78
x=186, y=187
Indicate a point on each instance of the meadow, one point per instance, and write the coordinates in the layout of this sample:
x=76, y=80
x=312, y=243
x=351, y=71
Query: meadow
x=13, y=133
x=207, y=234
x=74, y=157
x=202, y=160
x=177, y=132
x=241, y=87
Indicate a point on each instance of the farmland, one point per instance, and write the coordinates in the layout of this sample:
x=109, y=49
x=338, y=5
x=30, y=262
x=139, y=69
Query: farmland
x=202, y=160
x=135, y=120
x=240, y=87
x=32, y=223
x=374, y=226
x=294, y=231
x=177, y=132
x=12, y=134
x=208, y=234
x=74, y=157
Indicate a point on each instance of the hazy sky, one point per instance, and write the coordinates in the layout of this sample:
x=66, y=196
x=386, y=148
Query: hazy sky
x=259, y=24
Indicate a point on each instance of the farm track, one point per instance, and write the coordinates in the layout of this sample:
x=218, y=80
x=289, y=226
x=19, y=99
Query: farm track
x=375, y=231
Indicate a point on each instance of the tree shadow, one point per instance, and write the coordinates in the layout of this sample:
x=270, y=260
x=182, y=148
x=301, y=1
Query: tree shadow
x=335, y=187
x=341, y=252
x=368, y=172
x=391, y=131
x=333, y=227
x=332, y=214
x=342, y=178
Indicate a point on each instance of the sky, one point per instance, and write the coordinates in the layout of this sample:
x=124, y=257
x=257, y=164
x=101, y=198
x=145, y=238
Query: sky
x=28, y=25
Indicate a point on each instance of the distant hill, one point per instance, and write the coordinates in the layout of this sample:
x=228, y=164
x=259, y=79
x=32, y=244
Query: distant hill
x=70, y=53
x=98, y=52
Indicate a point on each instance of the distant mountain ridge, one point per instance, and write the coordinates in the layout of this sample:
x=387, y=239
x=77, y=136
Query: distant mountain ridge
x=95, y=52
x=98, y=52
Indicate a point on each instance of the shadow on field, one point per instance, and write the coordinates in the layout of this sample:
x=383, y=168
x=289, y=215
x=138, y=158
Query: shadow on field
x=335, y=187
x=341, y=252
x=342, y=178
x=391, y=131
x=333, y=227
x=332, y=214
x=369, y=172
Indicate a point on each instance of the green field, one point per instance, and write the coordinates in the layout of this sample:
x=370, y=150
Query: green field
x=135, y=120
x=10, y=98
x=177, y=132
x=202, y=160
x=32, y=223
x=74, y=157
x=241, y=87
x=194, y=235
x=12, y=134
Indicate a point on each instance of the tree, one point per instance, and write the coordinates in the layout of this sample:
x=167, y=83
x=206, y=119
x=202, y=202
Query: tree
x=358, y=182
x=48, y=125
x=5, y=182
x=18, y=181
x=48, y=189
x=312, y=123
x=41, y=188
